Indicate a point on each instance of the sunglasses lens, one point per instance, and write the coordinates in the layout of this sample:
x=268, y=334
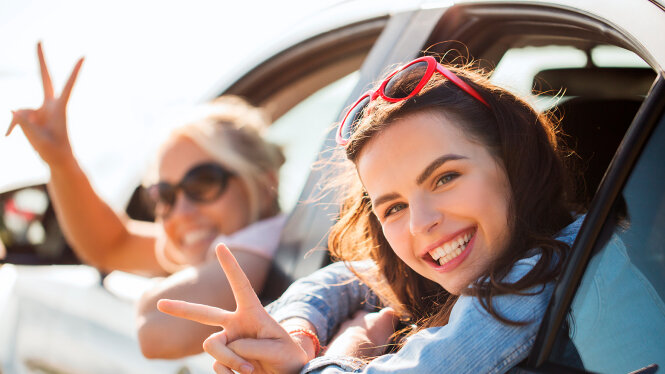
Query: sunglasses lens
x=352, y=118
x=402, y=84
x=205, y=182
x=162, y=195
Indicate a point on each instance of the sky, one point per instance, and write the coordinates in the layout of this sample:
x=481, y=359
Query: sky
x=147, y=63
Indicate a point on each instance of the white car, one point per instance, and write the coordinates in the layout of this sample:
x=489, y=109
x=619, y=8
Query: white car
x=600, y=63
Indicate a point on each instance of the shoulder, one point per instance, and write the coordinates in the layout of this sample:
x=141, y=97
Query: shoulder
x=261, y=237
x=569, y=233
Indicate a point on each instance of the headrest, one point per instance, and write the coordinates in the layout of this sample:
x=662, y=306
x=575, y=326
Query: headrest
x=599, y=82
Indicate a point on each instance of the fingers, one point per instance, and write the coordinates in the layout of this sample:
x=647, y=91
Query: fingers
x=46, y=78
x=265, y=349
x=381, y=326
x=221, y=369
x=66, y=92
x=23, y=117
x=240, y=285
x=389, y=314
x=216, y=346
x=12, y=124
x=200, y=313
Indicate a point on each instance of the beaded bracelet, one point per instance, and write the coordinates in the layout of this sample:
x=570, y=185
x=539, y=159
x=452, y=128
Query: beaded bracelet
x=310, y=334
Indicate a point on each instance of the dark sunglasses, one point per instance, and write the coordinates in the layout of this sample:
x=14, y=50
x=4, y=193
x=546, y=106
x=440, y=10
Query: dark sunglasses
x=201, y=184
x=416, y=73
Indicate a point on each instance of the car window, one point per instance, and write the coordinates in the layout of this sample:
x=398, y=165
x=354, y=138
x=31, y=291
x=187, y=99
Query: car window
x=301, y=132
x=616, y=323
x=519, y=67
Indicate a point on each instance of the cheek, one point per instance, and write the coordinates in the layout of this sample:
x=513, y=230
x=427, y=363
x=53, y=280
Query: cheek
x=169, y=227
x=496, y=203
x=231, y=211
x=398, y=236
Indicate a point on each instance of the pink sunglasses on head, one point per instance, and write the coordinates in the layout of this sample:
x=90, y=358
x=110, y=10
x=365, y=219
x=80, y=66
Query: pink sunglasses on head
x=391, y=91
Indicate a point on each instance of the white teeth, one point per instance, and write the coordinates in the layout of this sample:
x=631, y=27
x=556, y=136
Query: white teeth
x=447, y=247
x=450, y=250
x=437, y=253
x=194, y=236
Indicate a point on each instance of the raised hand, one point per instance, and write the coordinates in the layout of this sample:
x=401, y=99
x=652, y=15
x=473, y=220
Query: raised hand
x=252, y=341
x=46, y=126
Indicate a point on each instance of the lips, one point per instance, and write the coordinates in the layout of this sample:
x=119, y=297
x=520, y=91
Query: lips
x=196, y=236
x=447, y=255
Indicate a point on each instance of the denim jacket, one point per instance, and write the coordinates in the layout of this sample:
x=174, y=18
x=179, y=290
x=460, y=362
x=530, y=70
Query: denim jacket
x=472, y=342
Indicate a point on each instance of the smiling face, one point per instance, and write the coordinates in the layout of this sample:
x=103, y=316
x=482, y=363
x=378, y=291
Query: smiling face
x=442, y=199
x=191, y=226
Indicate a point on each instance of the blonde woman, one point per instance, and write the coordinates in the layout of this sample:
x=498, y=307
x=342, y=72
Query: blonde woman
x=216, y=180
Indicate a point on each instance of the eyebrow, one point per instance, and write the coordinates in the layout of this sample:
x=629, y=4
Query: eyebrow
x=435, y=165
x=422, y=177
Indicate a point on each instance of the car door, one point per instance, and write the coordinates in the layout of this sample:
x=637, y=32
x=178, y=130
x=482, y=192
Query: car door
x=608, y=312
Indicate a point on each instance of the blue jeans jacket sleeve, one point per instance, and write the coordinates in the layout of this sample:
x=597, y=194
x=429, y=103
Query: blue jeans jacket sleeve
x=325, y=298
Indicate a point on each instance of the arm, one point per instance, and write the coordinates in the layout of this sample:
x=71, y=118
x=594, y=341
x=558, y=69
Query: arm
x=96, y=233
x=325, y=298
x=203, y=284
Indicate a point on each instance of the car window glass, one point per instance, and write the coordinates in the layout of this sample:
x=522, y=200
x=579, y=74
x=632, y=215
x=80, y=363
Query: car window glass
x=301, y=132
x=519, y=66
x=616, y=323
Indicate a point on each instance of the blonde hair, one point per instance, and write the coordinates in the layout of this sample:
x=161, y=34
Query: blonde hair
x=230, y=130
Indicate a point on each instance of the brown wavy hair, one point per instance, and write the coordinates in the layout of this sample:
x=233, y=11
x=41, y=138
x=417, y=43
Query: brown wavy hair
x=520, y=139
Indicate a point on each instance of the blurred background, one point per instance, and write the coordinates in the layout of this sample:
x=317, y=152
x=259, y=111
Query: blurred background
x=147, y=63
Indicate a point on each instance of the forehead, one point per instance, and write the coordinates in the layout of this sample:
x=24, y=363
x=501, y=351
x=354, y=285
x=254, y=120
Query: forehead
x=400, y=152
x=178, y=156
x=411, y=137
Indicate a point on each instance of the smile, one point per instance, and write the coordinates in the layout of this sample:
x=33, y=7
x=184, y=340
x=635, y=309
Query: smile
x=451, y=253
x=196, y=236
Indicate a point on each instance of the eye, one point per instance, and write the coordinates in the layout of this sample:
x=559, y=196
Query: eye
x=446, y=178
x=394, y=209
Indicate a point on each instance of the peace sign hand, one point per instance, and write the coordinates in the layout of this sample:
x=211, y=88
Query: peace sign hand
x=46, y=127
x=252, y=341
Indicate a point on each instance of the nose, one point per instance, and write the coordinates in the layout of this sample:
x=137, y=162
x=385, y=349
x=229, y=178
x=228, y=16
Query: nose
x=423, y=216
x=182, y=206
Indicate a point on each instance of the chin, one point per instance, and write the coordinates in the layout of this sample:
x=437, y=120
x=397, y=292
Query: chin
x=454, y=288
x=196, y=256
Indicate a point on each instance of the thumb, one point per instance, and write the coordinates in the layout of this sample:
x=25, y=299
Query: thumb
x=383, y=326
x=12, y=124
x=387, y=316
x=20, y=117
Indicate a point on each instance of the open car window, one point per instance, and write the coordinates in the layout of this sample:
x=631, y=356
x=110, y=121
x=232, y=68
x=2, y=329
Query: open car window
x=301, y=132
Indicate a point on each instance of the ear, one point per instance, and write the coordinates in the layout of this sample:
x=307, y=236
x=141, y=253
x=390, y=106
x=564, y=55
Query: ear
x=273, y=178
x=269, y=194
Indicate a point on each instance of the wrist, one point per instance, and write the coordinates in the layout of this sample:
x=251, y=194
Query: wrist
x=64, y=165
x=308, y=342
